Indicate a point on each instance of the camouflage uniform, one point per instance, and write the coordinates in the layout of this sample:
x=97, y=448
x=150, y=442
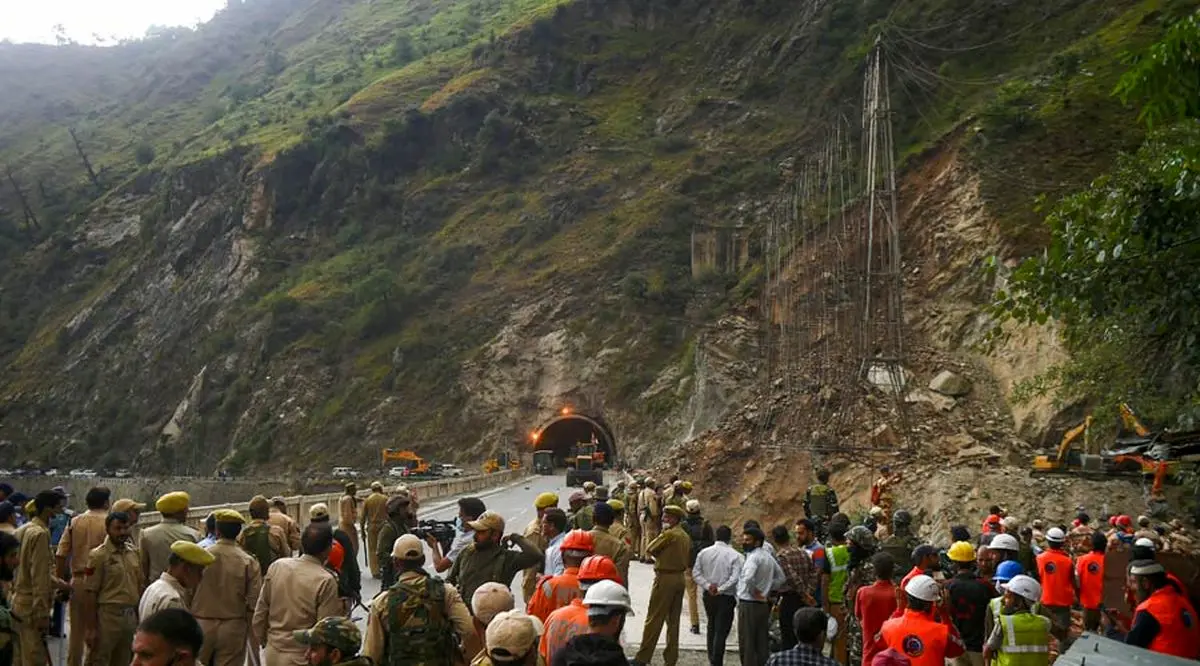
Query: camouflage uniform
x=420, y=620
x=339, y=633
x=861, y=574
x=900, y=546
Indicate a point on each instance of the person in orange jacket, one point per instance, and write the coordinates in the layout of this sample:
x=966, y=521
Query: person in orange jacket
x=572, y=620
x=1089, y=578
x=554, y=592
x=1165, y=621
x=916, y=634
x=1056, y=572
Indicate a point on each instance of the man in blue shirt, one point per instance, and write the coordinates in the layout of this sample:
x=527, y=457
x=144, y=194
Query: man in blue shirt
x=761, y=575
x=554, y=528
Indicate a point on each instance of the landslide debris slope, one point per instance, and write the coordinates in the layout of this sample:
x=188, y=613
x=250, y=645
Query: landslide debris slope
x=318, y=227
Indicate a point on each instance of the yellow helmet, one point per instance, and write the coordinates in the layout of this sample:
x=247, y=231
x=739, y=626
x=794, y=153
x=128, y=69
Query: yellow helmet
x=961, y=551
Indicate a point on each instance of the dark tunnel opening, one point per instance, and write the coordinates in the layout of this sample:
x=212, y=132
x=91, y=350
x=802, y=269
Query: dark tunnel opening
x=563, y=433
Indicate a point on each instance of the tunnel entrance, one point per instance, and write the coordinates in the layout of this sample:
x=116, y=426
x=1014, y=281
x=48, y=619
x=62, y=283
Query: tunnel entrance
x=564, y=432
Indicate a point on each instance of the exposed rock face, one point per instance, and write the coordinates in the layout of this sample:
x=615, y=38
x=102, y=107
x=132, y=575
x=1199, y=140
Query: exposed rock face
x=948, y=383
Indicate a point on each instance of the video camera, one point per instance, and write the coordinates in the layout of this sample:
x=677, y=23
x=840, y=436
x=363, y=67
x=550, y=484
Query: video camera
x=442, y=530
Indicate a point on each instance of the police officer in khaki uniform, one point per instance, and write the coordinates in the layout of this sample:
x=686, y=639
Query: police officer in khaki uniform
x=533, y=532
x=111, y=591
x=34, y=584
x=277, y=516
x=133, y=509
x=649, y=510
x=618, y=528
x=633, y=519
x=296, y=592
x=607, y=543
x=224, y=602
x=412, y=642
x=374, y=515
x=252, y=536
x=348, y=516
x=85, y=532
x=156, y=541
x=670, y=551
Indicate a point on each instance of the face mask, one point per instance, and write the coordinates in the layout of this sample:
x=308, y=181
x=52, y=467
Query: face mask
x=749, y=548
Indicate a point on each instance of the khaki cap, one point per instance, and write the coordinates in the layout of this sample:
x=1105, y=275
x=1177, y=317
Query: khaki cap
x=408, y=547
x=675, y=510
x=318, y=511
x=173, y=502
x=192, y=553
x=126, y=505
x=511, y=635
x=278, y=501
x=259, y=503
x=488, y=520
x=491, y=599
x=616, y=504
x=228, y=516
x=375, y=485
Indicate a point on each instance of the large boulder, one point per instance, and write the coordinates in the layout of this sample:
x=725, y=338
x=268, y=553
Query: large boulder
x=951, y=384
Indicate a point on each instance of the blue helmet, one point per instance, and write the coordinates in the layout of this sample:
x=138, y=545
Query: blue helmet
x=1007, y=570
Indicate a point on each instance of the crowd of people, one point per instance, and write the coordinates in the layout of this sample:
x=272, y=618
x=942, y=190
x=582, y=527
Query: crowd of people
x=260, y=588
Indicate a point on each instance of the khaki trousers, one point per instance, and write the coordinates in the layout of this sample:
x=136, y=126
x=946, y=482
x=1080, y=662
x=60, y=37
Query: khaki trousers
x=650, y=529
x=276, y=657
x=372, y=538
x=76, y=649
x=666, y=606
x=689, y=586
x=114, y=644
x=31, y=645
x=224, y=642
x=635, y=536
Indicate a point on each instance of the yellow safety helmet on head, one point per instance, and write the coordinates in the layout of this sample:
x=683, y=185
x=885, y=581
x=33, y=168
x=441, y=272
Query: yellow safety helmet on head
x=961, y=551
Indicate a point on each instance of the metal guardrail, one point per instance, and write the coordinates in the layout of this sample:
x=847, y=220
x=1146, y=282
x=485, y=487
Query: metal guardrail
x=298, y=505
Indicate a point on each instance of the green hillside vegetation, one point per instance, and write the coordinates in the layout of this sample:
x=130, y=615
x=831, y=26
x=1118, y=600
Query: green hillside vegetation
x=433, y=164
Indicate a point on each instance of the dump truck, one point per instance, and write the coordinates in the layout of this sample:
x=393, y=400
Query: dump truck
x=409, y=460
x=543, y=462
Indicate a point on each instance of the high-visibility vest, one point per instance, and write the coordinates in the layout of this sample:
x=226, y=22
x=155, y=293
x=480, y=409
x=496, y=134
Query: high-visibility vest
x=1024, y=640
x=554, y=592
x=839, y=571
x=1178, y=626
x=1089, y=569
x=921, y=638
x=1057, y=573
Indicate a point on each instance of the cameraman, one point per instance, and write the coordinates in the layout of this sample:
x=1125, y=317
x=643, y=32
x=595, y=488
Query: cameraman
x=469, y=508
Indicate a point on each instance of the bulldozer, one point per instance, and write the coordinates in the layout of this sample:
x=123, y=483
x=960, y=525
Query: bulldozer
x=409, y=460
x=582, y=466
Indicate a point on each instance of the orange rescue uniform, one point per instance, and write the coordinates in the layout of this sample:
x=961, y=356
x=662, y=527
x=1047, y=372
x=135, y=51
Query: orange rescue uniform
x=1089, y=569
x=563, y=625
x=1057, y=574
x=925, y=641
x=1178, y=626
x=554, y=592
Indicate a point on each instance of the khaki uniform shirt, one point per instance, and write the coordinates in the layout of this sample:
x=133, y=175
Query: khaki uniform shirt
x=619, y=530
x=114, y=574
x=616, y=549
x=33, y=590
x=85, y=532
x=374, y=509
x=348, y=511
x=8, y=528
x=671, y=550
x=296, y=592
x=166, y=592
x=231, y=584
x=291, y=531
x=156, y=545
x=456, y=611
x=649, y=501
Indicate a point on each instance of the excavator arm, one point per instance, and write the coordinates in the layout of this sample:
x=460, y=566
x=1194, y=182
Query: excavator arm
x=1081, y=430
x=1132, y=422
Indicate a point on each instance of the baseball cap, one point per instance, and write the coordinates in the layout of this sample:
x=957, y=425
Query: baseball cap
x=488, y=520
x=408, y=547
x=126, y=505
x=337, y=632
x=511, y=635
x=491, y=599
x=318, y=511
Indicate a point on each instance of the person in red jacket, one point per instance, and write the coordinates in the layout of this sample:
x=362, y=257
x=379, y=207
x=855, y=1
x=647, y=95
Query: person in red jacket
x=1165, y=620
x=993, y=521
x=1089, y=578
x=874, y=604
x=1057, y=575
x=916, y=634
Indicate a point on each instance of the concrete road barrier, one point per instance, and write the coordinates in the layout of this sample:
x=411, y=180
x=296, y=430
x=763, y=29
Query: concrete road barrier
x=298, y=505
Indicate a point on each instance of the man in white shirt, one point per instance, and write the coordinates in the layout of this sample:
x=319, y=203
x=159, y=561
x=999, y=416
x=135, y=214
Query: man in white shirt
x=469, y=509
x=174, y=587
x=717, y=571
x=760, y=575
x=554, y=528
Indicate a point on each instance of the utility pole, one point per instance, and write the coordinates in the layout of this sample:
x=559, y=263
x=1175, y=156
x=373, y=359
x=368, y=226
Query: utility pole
x=883, y=312
x=86, y=163
x=31, y=222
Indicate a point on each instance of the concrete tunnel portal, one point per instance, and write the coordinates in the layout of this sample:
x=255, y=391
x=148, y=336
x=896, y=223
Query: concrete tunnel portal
x=563, y=432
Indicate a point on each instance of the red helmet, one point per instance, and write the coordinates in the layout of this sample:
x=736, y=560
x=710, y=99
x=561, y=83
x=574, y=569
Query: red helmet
x=1124, y=521
x=599, y=567
x=579, y=540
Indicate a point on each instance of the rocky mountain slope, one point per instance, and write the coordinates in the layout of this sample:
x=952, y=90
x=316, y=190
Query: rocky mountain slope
x=319, y=227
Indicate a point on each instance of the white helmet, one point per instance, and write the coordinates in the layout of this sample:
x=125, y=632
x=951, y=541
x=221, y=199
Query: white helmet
x=922, y=587
x=1026, y=587
x=609, y=594
x=1055, y=535
x=1004, y=542
x=1144, y=543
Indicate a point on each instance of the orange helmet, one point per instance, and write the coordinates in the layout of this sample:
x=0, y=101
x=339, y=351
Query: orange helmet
x=597, y=568
x=579, y=540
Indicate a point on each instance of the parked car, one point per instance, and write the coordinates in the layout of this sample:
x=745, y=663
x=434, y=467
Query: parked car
x=83, y=474
x=452, y=470
x=398, y=472
x=345, y=473
x=122, y=473
x=5, y=472
x=53, y=471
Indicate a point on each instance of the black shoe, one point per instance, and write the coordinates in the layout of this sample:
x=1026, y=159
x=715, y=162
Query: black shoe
x=696, y=629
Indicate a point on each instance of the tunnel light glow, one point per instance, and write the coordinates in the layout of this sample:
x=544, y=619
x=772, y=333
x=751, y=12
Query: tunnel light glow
x=534, y=436
x=566, y=411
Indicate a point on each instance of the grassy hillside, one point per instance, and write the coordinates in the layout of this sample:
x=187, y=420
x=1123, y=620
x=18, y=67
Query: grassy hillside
x=429, y=168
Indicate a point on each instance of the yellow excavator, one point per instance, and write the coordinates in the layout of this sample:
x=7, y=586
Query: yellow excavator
x=1066, y=458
